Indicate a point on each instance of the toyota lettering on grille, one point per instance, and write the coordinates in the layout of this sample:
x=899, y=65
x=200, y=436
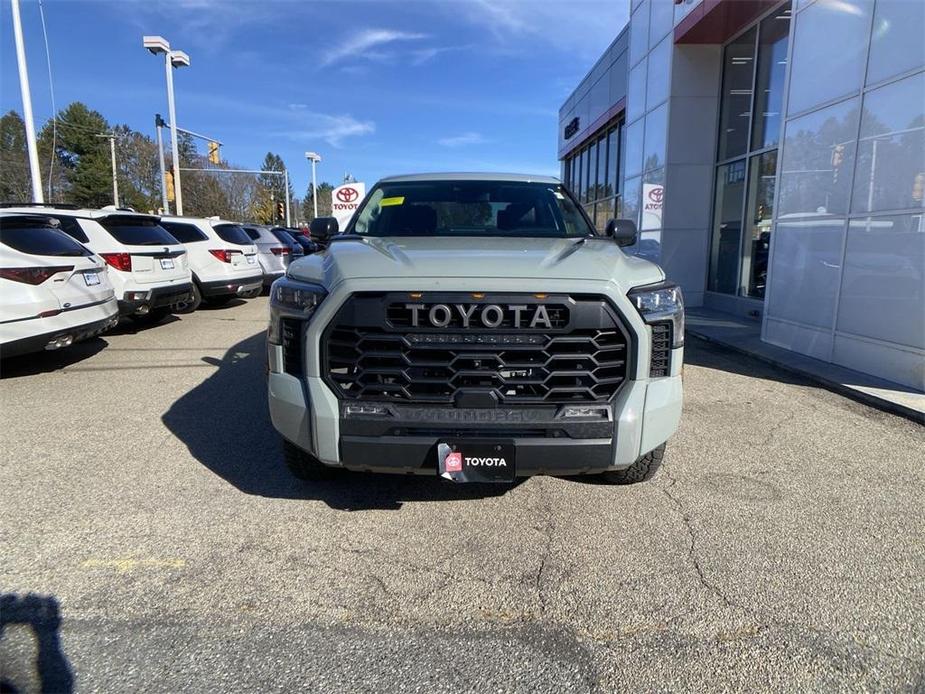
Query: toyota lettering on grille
x=480, y=315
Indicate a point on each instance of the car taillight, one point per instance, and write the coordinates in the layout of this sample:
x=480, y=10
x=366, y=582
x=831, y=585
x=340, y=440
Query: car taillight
x=279, y=250
x=223, y=255
x=120, y=261
x=32, y=275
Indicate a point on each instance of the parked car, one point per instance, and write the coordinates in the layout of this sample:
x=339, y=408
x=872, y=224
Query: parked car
x=53, y=291
x=300, y=239
x=147, y=266
x=222, y=257
x=285, y=236
x=272, y=254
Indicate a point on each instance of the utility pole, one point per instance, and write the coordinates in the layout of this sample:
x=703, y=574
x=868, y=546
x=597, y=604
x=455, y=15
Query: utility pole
x=158, y=124
x=37, y=195
x=174, y=145
x=115, y=178
x=314, y=158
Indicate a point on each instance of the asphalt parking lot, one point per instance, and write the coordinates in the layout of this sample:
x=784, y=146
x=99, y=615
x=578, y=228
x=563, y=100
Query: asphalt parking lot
x=143, y=495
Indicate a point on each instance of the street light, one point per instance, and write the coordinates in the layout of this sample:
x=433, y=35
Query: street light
x=314, y=158
x=172, y=59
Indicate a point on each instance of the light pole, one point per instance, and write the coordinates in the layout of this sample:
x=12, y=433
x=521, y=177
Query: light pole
x=158, y=125
x=172, y=59
x=314, y=158
x=34, y=170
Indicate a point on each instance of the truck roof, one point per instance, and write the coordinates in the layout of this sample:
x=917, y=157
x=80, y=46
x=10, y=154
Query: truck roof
x=488, y=176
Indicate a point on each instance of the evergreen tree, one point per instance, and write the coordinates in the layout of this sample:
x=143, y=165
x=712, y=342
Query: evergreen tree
x=15, y=185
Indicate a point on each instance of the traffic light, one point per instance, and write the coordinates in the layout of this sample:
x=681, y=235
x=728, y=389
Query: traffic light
x=213, y=153
x=171, y=193
x=280, y=211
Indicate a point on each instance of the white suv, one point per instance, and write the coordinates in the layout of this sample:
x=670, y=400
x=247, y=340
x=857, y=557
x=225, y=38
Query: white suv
x=222, y=257
x=55, y=291
x=147, y=266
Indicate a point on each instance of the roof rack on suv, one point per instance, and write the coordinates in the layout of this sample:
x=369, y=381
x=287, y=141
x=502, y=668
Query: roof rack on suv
x=59, y=205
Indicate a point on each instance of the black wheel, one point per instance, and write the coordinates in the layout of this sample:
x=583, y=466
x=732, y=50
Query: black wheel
x=252, y=294
x=190, y=305
x=219, y=300
x=155, y=315
x=640, y=471
x=305, y=466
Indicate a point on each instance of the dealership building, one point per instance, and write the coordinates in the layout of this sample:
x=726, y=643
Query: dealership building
x=773, y=157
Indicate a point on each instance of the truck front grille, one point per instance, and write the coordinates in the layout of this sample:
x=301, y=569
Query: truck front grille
x=580, y=357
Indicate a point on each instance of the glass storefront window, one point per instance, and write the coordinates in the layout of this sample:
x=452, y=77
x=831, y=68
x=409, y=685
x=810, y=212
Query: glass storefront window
x=760, y=210
x=818, y=160
x=656, y=134
x=735, y=110
x=769, y=80
x=603, y=213
x=613, y=158
x=890, y=171
x=591, y=190
x=581, y=188
x=636, y=92
x=830, y=46
x=601, y=190
x=885, y=267
x=896, y=41
x=659, y=70
x=727, y=227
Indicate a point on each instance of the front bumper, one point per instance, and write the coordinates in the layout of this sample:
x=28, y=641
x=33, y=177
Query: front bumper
x=642, y=417
x=144, y=300
x=231, y=286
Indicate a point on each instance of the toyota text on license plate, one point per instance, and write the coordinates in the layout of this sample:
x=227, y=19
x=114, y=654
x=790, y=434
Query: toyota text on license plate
x=476, y=460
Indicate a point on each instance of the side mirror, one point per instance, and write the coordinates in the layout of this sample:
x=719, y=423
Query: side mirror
x=323, y=228
x=623, y=231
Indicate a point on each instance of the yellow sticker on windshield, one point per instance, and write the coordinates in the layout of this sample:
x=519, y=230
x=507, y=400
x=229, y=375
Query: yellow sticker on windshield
x=388, y=202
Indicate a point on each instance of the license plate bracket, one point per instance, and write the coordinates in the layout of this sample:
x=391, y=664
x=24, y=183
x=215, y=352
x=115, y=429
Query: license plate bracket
x=91, y=278
x=477, y=460
x=167, y=264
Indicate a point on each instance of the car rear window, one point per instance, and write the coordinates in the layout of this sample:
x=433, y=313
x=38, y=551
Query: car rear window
x=282, y=235
x=253, y=233
x=184, y=233
x=72, y=228
x=137, y=231
x=232, y=233
x=38, y=237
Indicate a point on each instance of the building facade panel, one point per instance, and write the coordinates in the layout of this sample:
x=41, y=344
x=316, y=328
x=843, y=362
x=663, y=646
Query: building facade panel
x=773, y=158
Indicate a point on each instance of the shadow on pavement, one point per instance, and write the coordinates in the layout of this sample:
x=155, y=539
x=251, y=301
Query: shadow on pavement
x=225, y=424
x=44, y=362
x=41, y=615
x=710, y=355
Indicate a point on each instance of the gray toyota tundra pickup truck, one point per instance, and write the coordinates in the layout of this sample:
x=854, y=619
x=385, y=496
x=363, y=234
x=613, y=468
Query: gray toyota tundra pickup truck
x=477, y=327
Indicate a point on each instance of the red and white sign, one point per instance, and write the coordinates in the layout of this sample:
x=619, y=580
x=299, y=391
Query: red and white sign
x=345, y=200
x=653, y=197
x=453, y=462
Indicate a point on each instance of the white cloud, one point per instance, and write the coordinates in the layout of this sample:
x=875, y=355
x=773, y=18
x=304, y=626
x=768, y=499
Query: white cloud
x=583, y=28
x=468, y=138
x=333, y=129
x=359, y=45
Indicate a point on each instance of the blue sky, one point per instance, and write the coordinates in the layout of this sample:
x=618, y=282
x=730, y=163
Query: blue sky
x=376, y=87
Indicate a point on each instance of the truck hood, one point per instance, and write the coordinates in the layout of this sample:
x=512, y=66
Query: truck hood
x=529, y=258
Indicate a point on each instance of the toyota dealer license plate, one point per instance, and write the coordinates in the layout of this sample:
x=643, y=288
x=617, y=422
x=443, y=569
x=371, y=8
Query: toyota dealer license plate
x=166, y=263
x=476, y=461
x=91, y=278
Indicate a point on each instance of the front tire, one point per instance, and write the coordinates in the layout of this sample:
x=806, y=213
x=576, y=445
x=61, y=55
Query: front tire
x=304, y=466
x=640, y=471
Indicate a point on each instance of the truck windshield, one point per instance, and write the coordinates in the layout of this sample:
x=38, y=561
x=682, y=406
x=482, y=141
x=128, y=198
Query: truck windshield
x=470, y=208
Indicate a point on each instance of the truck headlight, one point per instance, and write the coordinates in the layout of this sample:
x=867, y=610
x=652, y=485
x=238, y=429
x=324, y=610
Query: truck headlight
x=661, y=302
x=292, y=299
